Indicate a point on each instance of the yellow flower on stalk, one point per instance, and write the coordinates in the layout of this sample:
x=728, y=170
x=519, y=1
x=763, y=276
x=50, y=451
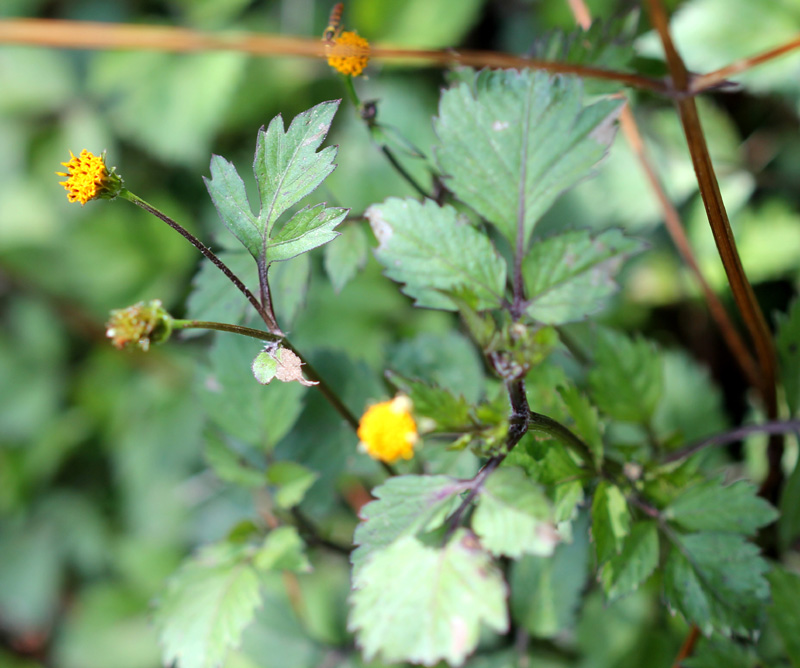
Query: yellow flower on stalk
x=348, y=53
x=139, y=325
x=387, y=431
x=88, y=178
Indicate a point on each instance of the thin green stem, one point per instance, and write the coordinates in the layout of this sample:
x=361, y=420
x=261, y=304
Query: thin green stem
x=207, y=252
x=226, y=327
x=367, y=113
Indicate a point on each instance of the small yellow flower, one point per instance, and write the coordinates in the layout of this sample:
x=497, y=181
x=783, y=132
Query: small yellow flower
x=348, y=53
x=388, y=432
x=139, y=325
x=88, y=178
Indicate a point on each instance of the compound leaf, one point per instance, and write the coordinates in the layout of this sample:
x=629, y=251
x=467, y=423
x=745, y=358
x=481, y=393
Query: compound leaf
x=515, y=140
x=424, y=604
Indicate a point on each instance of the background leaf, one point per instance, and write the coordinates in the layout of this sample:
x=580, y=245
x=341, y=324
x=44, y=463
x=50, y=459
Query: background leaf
x=423, y=604
x=426, y=247
x=347, y=256
x=205, y=609
x=626, y=379
x=787, y=341
x=611, y=521
x=514, y=141
x=785, y=610
x=716, y=581
x=626, y=571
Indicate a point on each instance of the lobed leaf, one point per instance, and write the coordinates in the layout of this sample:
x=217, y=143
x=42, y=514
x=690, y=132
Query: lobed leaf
x=309, y=228
x=423, y=604
x=512, y=142
x=569, y=276
x=514, y=516
x=716, y=580
x=425, y=246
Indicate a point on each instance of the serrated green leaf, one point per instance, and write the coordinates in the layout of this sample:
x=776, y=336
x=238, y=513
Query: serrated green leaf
x=421, y=604
x=230, y=197
x=546, y=591
x=626, y=379
x=587, y=422
x=404, y=506
x=425, y=246
x=787, y=342
x=206, y=607
x=229, y=466
x=716, y=580
x=513, y=142
x=346, y=257
x=292, y=481
x=712, y=506
x=282, y=550
x=308, y=228
x=569, y=276
x=611, y=521
x=449, y=412
x=287, y=166
x=514, y=516
x=785, y=610
x=566, y=499
x=624, y=572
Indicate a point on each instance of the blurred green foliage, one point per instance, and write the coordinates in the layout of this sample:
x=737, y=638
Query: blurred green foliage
x=104, y=479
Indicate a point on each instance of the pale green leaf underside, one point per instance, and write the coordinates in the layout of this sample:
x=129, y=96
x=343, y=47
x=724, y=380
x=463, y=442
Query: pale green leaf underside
x=429, y=249
x=404, y=505
x=568, y=277
x=623, y=573
x=425, y=604
x=510, y=146
x=514, y=516
x=712, y=506
x=716, y=580
x=205, y=610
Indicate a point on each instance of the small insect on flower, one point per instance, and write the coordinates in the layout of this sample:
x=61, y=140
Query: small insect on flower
x=347, y=51
x=88, y=178
x=387, y=431
x=334, y=23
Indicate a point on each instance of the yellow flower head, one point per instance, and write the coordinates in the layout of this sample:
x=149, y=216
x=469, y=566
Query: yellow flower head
x=88, y=178
x=348, y=53
x=387, y=430
x=139, y=325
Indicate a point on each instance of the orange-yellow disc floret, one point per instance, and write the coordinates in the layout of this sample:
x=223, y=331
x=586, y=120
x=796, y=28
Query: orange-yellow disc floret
x=87, y=177
x=349, y=53
x=388, y=432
